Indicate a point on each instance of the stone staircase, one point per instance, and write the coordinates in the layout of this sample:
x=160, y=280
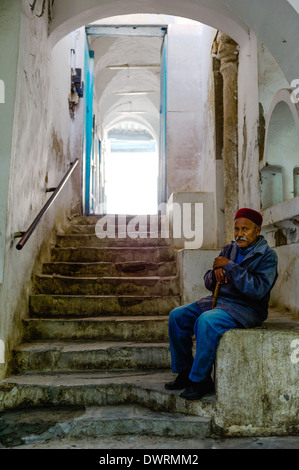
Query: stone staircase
x=97, y=337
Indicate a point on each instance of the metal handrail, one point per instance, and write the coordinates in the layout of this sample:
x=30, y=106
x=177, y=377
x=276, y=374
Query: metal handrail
x=26, y=235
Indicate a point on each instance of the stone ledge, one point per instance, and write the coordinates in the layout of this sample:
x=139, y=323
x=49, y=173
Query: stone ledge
x=282, y=211
x=257, y=374
x=280, y=225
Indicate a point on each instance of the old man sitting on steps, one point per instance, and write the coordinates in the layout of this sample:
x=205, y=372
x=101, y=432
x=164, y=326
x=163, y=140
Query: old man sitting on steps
x=246, y=271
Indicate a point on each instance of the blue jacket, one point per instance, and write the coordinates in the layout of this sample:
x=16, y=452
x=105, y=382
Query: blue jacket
x=246, y=295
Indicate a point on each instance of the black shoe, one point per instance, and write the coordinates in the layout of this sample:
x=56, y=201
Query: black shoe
x=197, y=390
x=181, y=381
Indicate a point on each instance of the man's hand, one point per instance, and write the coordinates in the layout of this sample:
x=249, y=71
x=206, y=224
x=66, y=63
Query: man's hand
x=219, y=263
x=220, y=276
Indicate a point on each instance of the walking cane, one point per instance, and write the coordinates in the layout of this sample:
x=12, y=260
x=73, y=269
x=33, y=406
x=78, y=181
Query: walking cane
x=215, y=296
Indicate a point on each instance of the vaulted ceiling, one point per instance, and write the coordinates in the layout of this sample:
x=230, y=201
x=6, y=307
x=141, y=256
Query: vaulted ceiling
x=127, y=79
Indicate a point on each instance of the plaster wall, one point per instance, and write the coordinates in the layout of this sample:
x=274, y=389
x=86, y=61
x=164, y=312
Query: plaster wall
x=294, y=4
x=285, y=294
x=248, y=114
x=270, y=77
x=43, y=135
x=207, y=174
x=279, y=147
x=276, y=25
x=192, y=266
x=190, y=160
x=193, y=223
x=280, y=230
x=9, y=41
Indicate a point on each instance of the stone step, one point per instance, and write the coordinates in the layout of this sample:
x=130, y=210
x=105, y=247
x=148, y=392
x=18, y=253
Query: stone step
x=92, y=240
x=67, y=356
x=148, y=228
x=111, y=269
x=113, y=254
x=118, y=219
x=41, y=305
x=42, y=425
x=100, y=389
x=154, y=285
x=139, y=329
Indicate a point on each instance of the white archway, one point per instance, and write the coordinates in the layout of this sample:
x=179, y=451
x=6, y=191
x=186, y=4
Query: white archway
x=71, y=14
x=280, y=165
x=233, y=17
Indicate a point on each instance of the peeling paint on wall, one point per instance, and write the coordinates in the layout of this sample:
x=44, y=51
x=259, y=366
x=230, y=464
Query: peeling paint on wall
x=261, y=131
x=57, y=146
x=280, y=238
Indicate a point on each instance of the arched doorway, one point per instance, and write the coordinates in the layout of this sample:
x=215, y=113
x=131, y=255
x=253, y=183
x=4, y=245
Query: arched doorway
x=123, y=116
x=280, y=164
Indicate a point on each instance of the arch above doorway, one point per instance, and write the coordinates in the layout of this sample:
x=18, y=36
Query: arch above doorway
x=233, y=17
x=71, y=14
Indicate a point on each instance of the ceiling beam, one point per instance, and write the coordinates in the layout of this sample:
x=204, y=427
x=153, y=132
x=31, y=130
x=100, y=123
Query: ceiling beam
x=144, y=31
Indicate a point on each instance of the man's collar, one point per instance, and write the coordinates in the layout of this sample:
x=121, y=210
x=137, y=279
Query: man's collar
x=246, y=250
x=260, y=246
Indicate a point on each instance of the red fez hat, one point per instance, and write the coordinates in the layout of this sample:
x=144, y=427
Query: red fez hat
x=250, y=214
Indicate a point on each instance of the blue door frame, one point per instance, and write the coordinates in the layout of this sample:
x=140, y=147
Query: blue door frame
x=162, y=189
x=88, y=184
x=88, y=127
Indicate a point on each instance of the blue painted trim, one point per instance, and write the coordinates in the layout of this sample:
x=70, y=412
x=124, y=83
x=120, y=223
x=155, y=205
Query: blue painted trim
x=88, y=123
x=163, y=126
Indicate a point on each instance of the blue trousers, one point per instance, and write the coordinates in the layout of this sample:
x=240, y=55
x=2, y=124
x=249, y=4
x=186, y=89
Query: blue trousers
x=208, y=327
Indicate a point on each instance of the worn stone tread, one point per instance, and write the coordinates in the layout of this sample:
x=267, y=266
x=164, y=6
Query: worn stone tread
x=48, y=424
x=89, y=229
x=140, y=329
x=106, y=268
x=114, y=319
x=93, y=219
x=101, y=305
x=121, y=254
x=75, y=346
x=137, y=279
x=66, y=356
x=154, y=285
x=100, y=388
x=91, y=239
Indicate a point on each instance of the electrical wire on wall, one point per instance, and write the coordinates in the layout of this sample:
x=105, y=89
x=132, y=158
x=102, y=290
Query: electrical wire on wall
x=50, y=8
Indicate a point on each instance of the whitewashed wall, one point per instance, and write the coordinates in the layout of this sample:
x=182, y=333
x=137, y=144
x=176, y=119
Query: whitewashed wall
x=45, y=140
x=190, y=127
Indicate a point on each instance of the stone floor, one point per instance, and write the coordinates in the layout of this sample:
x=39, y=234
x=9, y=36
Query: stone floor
x=145, y=442
x=77, y=428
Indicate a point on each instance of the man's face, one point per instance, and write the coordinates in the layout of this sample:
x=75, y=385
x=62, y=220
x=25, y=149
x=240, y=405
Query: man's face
x=246, y=232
